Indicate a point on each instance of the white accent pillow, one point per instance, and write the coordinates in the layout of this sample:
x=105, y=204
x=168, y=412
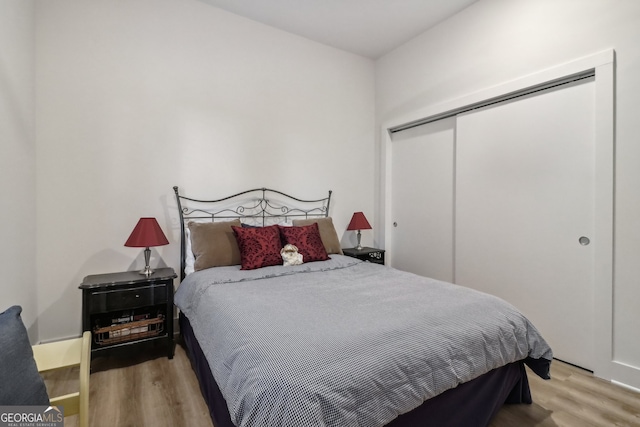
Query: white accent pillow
x=189, y=258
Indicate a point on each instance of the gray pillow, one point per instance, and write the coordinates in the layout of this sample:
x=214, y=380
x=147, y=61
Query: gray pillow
x=214, y=244
x=20, y=382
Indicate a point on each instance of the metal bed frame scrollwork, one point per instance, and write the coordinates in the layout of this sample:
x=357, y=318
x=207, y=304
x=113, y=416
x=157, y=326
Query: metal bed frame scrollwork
x=259, y=206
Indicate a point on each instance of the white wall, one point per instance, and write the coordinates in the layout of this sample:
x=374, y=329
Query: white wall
x=135, y=97
x=494, y=41
x=17, y=160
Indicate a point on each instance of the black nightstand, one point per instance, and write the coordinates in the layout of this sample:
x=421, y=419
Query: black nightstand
x=126, y=309
x=373, y=255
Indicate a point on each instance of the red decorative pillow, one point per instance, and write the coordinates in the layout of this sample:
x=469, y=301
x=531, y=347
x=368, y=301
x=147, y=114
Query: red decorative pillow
x=259, y=247
x=307, y=239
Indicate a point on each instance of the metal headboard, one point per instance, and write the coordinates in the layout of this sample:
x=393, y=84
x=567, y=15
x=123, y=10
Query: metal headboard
x=260, y=206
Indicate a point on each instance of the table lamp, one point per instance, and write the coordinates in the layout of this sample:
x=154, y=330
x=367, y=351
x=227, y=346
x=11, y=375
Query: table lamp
x=359, y=222
x=146, y=233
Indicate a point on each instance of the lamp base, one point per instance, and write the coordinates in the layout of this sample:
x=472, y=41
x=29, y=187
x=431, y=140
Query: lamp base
x=147, y=271
x=359, y=247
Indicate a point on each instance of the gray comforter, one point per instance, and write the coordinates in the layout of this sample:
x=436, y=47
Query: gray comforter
x=345, y=343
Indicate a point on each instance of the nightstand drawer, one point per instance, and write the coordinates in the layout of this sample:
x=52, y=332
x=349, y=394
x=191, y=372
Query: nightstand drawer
x=373, y=255
x=111, y=300
x=377, y=257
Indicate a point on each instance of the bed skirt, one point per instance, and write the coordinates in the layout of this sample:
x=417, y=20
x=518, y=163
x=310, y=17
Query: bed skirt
x=470, y=404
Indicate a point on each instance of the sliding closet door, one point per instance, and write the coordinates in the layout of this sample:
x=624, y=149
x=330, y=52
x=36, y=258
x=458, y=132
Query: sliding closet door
x=422, y=200
x=525, y=211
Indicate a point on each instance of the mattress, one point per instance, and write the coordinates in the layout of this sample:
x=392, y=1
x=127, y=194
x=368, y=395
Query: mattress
x=347, y=343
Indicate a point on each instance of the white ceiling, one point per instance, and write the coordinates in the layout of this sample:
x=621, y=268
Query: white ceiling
x=366, y=27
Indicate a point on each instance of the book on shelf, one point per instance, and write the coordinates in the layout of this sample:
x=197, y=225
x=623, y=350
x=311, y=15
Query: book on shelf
x=128, y=317
x=128, y=331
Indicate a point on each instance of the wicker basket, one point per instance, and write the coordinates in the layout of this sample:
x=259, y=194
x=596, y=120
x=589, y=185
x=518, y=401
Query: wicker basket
x=129, y=331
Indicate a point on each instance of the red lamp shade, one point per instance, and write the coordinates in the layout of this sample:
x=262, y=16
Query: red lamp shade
x=359, y=222
x=146, y=233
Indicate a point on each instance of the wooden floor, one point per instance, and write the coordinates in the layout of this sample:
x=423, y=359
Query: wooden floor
x=572, y=397
x=158, y=392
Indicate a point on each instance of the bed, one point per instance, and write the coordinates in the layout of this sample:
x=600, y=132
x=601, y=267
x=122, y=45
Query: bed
x=336, y=341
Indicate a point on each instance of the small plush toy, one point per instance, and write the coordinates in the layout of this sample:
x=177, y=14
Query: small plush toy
x=290, y=255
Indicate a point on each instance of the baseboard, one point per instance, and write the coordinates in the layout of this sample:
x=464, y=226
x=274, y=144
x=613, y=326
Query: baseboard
x=625, y=375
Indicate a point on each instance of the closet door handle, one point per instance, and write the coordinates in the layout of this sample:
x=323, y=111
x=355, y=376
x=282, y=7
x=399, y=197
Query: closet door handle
x=584, y=241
